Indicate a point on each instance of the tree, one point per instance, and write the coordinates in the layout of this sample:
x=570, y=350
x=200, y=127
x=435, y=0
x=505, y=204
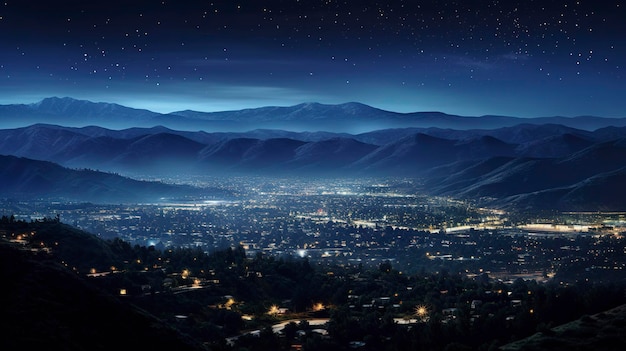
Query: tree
x=385, y=267
x=291, y=330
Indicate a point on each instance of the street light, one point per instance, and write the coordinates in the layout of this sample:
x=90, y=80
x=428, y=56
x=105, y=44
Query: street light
x=273, y=310
x=422, y=312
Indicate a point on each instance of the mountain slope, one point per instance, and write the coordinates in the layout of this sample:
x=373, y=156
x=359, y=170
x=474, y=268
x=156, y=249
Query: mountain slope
x=527, y=163
x=416, y=154
x=73, y=112
x=38, y=141
x=409, y=155
x=247, y=154
x=161, y=153
x=601, y=192
x=23, y=178
x=602, y=331
x=591, y=179
x=452, y=178
x=554, y=146
x=328, y=156
x=356, y=118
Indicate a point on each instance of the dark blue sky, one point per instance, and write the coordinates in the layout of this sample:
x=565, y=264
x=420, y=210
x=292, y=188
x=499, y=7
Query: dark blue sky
x=519, y=58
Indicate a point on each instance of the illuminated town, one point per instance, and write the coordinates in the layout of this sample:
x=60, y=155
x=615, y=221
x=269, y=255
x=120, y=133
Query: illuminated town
x=360, y=222
x=289, y=262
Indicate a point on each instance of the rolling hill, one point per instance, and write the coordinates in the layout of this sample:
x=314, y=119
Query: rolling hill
x=602, y=331
x=547, y=166
x=48, y=305
x=27, y=179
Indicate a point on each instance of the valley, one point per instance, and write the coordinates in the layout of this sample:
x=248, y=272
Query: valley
x=248, y=239
x=358, y=222
x=313, y=175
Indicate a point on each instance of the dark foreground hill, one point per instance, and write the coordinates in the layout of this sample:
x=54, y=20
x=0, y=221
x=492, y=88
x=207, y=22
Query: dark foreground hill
x=54, y=300
x=48, y=306
x=602, y=331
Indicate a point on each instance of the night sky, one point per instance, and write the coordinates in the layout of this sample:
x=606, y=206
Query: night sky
x=517, y=58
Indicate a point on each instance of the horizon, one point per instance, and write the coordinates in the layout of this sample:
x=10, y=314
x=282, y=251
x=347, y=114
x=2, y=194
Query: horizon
x=96, y=101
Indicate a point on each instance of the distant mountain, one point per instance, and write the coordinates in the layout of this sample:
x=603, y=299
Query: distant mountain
x=517, y=176
x=453, y=177
x=609, y=133
x=518, y=134
x=150, y=153
x=24, y=179
x=329, y=156
x=72, y=112
x=554, y=146
x=601, y=192
x=416, y=154
x=410, y=155
x=349, y=117
x=506, y=164
x=38, y=141
x=157, y=151
x=246, y=154
x=530, y=132
x=79, y=109
x=590, y=179
x=356, y=117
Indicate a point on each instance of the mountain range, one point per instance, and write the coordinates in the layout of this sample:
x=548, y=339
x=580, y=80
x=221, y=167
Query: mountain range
x=529, y=165
x=349, y=117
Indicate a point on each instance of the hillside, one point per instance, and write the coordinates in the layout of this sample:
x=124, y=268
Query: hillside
x=524, y=166
x=68, y=289
x=602, y=331
x=27, y=179
x=589, y=179
x=48, y=306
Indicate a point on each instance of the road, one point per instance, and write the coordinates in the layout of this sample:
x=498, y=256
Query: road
x=276, y=328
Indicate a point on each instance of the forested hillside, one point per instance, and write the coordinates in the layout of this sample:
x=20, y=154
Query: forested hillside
x=68, y=287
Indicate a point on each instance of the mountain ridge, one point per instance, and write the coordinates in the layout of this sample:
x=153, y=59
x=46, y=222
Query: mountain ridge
x=472, y=164
x=351, y=117
x=28, y=179
x=508, y=165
